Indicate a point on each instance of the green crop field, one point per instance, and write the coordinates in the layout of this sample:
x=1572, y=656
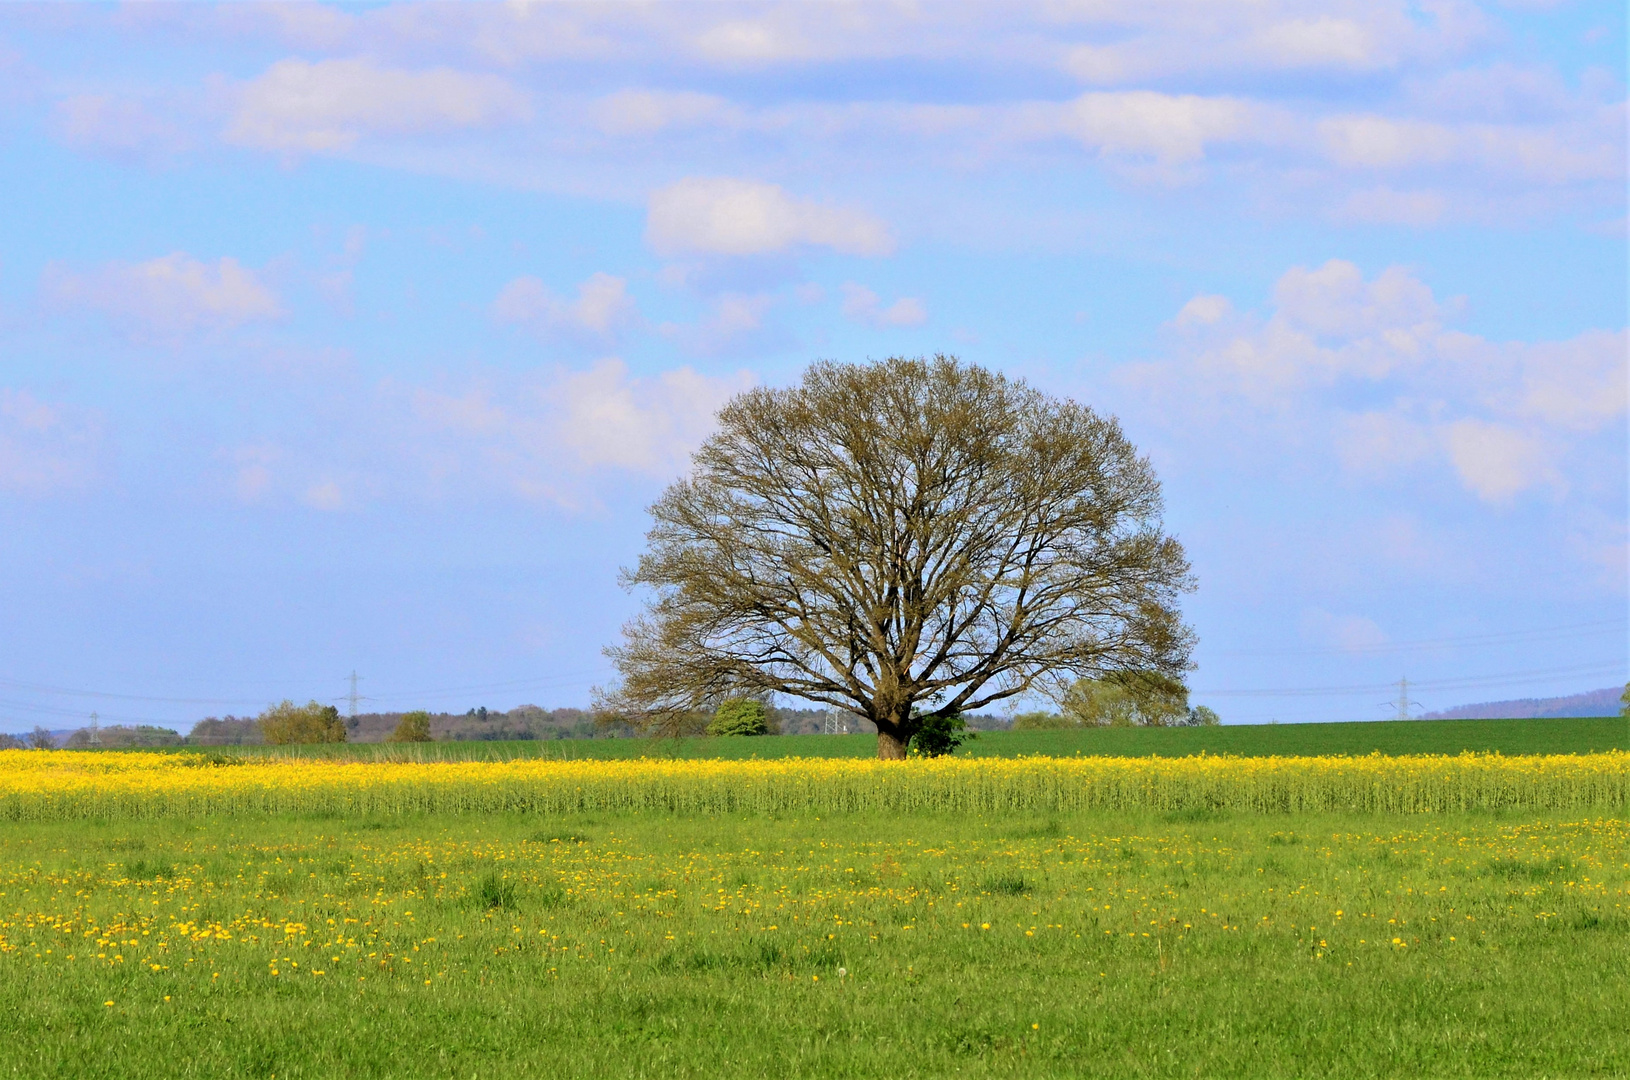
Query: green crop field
x=1197, y=944
x=1551, y=736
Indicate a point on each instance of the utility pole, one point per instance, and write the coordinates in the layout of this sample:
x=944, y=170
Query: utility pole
x=353, y=697
x=1403, y=703
x=96, y=731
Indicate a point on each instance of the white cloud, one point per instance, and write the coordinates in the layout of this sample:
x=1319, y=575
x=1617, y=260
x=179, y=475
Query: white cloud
x=119, y=128
x=1497, y=461
x=1204, y=311
x=602, y=309
x=736, y=326
x=1378, y=444
x=1368, y=368
x=863, y=306
x=1579, y=385
x=1350, y=633
x=1322, y=41
x=1593, y=151
x=646, y=112
x=1497, y=92
x=299, y=106
x=253, y=477
x=646, y=425
x=723, y=216
x=170, y=295
x=324, y=495
x=536, y=436
x=1334, y=301
x=1160, y=40
x=45, y=449
x=1382, y=87
x=1555, y=391
x=1170, y=128
x=1384, y=206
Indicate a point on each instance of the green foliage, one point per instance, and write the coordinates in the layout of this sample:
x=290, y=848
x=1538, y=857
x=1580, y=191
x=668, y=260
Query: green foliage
x=1127, y=699
x=1204, y=716
x=1042, y=721
x=740, y=716
x=1098, y=703
x=1624, y=701
x=940, y=735
x=413, y=727
x=121, y=737
x=286, y=723
x=495, y=892
x=225, y=731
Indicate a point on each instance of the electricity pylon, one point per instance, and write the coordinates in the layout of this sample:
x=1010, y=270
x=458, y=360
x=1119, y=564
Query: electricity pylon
x=1403, y=703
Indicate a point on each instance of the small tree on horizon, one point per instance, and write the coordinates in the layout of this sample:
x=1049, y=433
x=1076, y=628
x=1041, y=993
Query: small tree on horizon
x=413, y=727
x=287, y=724
x=740, y=716
x=1128, y=699
x=901, y=539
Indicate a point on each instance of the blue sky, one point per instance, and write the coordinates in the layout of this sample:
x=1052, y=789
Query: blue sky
x=359, y=338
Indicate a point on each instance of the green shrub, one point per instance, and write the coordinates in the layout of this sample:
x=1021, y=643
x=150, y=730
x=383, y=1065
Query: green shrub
x=1128, y=699
x=940, y=735
x=1042, y=721
x=740, y=716
x=413, y=727
x=496, y=892
x=286, y=723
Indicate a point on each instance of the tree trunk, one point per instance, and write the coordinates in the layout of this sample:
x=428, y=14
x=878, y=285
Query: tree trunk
x=893, y=735
x=891, y=746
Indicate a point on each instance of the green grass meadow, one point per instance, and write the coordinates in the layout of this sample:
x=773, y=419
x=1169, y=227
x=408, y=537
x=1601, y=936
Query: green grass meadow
x=1209, y=945
x=1551, y=736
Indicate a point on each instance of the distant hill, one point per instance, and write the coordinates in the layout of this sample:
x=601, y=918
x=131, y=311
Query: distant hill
x=1604, y=702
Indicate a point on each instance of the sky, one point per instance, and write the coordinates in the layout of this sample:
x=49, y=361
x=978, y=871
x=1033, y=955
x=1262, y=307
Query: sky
x=358, y=339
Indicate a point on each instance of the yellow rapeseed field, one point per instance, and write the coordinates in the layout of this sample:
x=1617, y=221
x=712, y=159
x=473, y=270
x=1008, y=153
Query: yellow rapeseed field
x=45, y=785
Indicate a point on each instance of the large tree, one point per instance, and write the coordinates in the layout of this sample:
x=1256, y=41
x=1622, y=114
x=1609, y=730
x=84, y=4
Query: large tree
x=901, y=539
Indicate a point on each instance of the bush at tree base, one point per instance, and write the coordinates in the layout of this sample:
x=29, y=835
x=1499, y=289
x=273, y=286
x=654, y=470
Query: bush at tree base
x=940, y=735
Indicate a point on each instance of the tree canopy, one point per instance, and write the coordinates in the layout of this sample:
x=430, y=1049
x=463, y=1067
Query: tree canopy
x=740, y=716
x=286, y=723
x=903, y=539
x=413, y=727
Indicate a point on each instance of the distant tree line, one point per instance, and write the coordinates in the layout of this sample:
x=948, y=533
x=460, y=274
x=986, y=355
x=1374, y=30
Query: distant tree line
x=1127, y=700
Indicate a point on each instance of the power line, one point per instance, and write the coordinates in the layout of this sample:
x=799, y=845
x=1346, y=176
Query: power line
x=41, y=688
x=1502, y=637
x=1460, y=683
x=561, y=679
x=45, y=688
